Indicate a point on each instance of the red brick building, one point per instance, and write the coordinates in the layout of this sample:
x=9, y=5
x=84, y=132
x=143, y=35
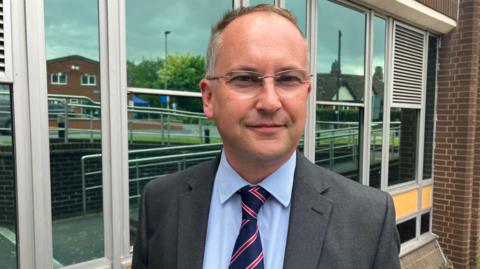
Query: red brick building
x=457, y=152
x=74, y=75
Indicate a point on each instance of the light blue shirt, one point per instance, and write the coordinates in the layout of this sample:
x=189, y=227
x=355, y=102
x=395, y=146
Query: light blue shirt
x=226, y=215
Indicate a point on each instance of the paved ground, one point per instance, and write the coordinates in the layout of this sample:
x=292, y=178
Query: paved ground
x=78, y=239
x=74, y=240
x=7, y=254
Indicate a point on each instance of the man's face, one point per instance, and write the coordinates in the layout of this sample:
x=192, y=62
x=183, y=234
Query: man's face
x=266, y=126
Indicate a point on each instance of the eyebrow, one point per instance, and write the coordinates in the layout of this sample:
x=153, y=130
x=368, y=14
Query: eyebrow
x=253, y=69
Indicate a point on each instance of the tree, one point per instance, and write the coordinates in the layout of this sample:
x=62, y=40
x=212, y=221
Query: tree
x=182, y=73
x=144, y=74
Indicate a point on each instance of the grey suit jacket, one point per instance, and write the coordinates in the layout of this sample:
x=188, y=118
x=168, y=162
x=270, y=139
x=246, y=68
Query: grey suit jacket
x=334, y=222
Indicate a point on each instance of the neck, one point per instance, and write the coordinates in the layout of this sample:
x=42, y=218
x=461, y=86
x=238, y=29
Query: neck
x=255, y=170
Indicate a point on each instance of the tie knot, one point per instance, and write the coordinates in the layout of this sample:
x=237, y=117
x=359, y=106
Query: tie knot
x=253, y=197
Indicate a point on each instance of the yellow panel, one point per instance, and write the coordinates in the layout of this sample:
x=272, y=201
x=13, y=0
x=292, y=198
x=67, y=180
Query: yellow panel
x=405, y=203
x=427, y=197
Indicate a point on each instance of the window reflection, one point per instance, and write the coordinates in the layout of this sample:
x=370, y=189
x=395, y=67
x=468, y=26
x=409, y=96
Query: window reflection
x=378, y=89
x=403, y=145
x=299, y=9
x=73, y=74
x=166, y=44
x=340, y=53
x=430, y=108
x=167, y=41
x=8, y=216
x=256, y=2
x=165, y=140
x=337, y=139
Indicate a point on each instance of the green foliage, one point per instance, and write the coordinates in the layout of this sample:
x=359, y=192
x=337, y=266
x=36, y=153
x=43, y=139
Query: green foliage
x=183, y=73
x=144, y=74
x=342, y=115
x=449, y=265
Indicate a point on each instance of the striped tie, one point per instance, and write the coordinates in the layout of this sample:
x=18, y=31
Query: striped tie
x=248, y=253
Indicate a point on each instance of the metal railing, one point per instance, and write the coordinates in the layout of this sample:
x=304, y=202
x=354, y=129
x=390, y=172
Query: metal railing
x=180, y=160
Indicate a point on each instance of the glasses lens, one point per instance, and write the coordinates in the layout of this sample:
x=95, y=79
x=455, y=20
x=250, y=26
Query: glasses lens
x=243, y=79
x=291, y=78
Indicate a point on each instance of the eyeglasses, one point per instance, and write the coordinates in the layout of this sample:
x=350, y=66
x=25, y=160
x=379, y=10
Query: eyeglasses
x=250, y=82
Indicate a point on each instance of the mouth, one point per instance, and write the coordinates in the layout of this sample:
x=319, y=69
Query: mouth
x=266, y=127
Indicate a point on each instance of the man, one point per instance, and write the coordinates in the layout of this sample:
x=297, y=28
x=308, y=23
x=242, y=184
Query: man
x=261, y=204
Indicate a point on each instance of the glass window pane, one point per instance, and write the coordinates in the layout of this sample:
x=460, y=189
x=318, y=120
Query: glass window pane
x=430, y=108
x=403, y=145
x=407, y=230
x=337, y=139
x=256, y=2
x=425, y=223
x=167, y=133
x=378, y=89
x=340, y=53
x=165, y=140
x=179, y=29
x=299, y=9
x=8, y=215
x=72, y=48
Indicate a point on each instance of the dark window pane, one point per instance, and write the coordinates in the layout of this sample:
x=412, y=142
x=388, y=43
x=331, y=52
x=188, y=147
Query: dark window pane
x=340, y=53
x=403, y=145
x=425, y=223
x=337, y=139
x=378, y=89
x=8, y=216
x=430, y=108
x=407, y=230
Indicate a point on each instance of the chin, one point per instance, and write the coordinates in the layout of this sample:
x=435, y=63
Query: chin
x=272, y=154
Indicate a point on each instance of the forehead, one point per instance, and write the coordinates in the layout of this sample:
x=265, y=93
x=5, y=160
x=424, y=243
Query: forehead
x=262, y=38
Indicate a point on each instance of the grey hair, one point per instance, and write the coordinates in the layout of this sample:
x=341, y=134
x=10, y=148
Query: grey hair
x=215, y=42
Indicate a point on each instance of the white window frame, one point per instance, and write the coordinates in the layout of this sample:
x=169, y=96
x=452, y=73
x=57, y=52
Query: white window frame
x=55, y=78
x=88, y=76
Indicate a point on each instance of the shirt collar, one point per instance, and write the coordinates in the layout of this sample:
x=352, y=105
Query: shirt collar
x=279, y=184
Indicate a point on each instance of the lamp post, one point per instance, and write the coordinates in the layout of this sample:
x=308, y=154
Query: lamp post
x=166, y=54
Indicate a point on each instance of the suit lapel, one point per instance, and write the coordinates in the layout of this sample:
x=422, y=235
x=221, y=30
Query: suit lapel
x=193, y=219
x=309, y=217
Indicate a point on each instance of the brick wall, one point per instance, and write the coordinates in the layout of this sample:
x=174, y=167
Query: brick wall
x=446, y=7
x=456, y=189
x=66, y=178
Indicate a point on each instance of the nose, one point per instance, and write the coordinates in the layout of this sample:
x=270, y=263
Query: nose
x=268, y=100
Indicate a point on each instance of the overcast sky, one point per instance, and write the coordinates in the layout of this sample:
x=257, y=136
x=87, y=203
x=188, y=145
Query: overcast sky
x=72, y=28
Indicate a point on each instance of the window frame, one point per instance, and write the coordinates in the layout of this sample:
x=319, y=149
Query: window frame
x=55, y=78
x=88, y=76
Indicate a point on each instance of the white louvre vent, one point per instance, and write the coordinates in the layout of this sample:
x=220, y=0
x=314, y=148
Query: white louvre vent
x=408, y=66
x=5, y=39
x=2, y=39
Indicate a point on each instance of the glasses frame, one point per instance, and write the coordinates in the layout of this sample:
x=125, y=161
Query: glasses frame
x=261, y=76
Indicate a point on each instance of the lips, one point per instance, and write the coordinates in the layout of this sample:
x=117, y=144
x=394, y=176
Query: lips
x=266, y=127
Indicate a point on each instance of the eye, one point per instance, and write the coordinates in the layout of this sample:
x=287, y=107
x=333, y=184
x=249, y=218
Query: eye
x=289, y=79
x=243, y=80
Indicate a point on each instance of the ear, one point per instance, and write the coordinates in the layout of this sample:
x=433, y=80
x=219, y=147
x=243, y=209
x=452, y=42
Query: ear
x=207, y=97
x=309, y=89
